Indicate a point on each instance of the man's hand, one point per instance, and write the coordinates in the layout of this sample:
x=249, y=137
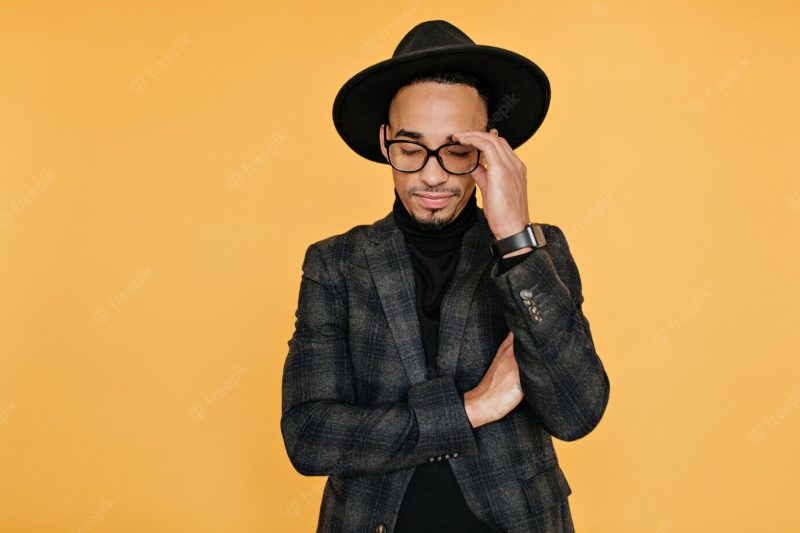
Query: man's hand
x=503, y=182
x=499, y=391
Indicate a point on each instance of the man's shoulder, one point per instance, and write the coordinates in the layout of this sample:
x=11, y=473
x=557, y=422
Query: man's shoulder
x=336, y=251
x=352, y=238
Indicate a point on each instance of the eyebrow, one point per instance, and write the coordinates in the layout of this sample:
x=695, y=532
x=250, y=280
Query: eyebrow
x=417, y=135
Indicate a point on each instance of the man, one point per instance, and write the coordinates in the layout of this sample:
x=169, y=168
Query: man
x=437, y=351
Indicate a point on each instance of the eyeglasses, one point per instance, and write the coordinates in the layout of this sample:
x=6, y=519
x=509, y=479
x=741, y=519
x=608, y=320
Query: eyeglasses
x=412, y=156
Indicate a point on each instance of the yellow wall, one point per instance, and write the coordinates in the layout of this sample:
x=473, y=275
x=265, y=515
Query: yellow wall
x=165, y=167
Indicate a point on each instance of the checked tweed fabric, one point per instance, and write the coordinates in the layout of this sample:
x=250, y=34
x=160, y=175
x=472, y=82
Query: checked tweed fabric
x=359, y=406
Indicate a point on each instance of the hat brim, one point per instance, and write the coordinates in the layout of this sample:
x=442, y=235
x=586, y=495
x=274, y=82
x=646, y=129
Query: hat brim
x=521, y=90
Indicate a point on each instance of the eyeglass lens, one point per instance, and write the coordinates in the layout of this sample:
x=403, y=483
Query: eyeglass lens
x=410, y=157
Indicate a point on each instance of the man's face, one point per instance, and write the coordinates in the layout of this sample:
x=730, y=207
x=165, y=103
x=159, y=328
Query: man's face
x=429, y=113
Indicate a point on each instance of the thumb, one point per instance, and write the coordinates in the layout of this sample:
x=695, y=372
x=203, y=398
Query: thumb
x=509, y=338
x=479, y=175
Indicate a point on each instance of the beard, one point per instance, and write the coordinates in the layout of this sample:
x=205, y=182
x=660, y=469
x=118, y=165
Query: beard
x=435, y=220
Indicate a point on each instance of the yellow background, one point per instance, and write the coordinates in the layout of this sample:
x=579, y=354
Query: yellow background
x=164, y=168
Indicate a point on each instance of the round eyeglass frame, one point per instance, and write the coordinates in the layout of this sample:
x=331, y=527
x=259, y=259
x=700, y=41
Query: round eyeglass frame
x=429, y=152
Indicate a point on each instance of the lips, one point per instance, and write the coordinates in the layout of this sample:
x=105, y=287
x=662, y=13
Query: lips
x=434, y=200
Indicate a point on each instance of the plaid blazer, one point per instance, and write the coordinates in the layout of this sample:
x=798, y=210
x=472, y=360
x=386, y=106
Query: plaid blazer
x=359, y=406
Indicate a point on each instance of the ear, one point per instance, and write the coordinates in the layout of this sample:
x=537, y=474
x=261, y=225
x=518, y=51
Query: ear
x=380, y=142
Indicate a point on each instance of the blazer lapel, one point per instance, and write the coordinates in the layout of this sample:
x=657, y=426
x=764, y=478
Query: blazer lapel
x=393, y=274
x=474, y=258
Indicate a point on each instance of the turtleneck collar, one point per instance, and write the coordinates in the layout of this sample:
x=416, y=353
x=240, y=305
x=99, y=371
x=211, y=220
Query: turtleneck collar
x=443, y=239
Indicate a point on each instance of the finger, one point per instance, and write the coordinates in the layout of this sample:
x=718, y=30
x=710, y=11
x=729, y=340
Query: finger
x=488, y=144
x=517, y=161
x=503, y=148
x=479, y=175
x=504, y=345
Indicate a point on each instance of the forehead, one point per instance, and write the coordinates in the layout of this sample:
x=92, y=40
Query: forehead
x=433, y=106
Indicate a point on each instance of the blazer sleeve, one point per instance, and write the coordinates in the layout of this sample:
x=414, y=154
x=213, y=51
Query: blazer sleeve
x=324, y=430
x=561, y=374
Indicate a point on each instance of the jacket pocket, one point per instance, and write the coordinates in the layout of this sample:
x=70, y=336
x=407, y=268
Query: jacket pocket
x=546, y=489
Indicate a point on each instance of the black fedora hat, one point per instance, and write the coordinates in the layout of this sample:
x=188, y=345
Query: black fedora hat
x=521, y=90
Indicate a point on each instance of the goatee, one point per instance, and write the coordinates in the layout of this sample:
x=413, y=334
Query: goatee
x=432, y=223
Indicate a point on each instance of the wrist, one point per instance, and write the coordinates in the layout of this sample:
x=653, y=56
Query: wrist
x=530, y=237
x=474, y=409
x=518, y=252
x=508, y=230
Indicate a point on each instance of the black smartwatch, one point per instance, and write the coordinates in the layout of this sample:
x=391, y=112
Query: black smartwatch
x=532, y=236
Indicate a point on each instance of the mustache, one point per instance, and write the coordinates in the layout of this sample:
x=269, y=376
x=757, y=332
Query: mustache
x=415, y=190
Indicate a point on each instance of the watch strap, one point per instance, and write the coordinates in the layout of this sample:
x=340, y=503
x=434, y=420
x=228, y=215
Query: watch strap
x=532, y=236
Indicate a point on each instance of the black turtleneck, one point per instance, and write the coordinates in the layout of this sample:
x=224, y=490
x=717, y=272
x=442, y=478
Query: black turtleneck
x=434, y=254
x=433, y=501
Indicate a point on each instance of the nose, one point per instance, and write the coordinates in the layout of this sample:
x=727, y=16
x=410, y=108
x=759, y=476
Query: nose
x=432, y=174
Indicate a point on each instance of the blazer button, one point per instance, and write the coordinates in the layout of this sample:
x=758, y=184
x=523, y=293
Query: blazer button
x=381, y=528
x=526, y=294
